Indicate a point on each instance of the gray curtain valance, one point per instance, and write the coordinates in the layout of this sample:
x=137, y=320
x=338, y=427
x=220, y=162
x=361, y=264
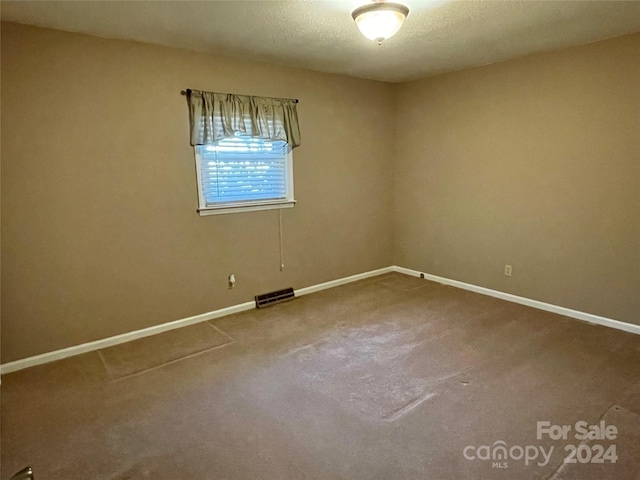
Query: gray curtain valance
x=215, y=116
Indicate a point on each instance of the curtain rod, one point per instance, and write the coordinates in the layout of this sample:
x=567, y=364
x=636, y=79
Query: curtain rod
x=188, y=91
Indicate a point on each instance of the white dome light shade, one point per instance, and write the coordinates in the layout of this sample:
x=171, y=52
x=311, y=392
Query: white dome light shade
x=379, y=21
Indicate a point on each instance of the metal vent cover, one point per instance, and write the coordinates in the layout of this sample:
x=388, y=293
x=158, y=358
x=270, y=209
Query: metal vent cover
x=272, y=298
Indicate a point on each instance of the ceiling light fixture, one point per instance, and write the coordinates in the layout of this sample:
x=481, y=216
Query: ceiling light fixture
x=381, y=20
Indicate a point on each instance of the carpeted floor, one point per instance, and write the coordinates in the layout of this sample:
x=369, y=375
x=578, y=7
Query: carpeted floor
x=389, y=378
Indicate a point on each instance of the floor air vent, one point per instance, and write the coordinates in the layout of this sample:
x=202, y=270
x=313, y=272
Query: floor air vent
x=272, y=298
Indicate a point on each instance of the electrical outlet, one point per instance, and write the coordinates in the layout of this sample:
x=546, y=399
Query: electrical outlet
x=507, y=270
x=232, y=281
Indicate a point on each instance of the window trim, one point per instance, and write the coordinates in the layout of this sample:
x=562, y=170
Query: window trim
x=250, y=205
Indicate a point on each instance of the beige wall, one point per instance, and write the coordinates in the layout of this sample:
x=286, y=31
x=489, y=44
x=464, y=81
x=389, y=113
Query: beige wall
x=99, y=228
x=533, y=162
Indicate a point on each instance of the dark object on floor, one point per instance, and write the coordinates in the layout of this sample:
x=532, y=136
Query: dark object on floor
x=26, y=474
x=391, y=377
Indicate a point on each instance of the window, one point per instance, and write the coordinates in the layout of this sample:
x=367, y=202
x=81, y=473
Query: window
x=243, y=150
x=244, y=173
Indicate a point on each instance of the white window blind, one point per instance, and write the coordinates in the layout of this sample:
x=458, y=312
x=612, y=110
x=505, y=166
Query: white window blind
x=244, y=171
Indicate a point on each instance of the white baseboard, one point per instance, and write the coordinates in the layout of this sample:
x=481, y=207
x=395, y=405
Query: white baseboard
x=342, y=281
x=127, y=337
x=587, y=317
x=145, y=332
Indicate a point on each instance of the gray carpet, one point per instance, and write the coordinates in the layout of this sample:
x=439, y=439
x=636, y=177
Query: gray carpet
x=158, y=350
x=388, y=378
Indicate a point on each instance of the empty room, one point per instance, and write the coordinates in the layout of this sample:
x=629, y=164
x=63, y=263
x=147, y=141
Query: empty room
x=320, y=240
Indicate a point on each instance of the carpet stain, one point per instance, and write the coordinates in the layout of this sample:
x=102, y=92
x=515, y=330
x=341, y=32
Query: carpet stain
x=408, y=407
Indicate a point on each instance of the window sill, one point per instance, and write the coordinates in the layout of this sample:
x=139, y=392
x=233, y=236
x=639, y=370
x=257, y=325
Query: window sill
x=222, y=210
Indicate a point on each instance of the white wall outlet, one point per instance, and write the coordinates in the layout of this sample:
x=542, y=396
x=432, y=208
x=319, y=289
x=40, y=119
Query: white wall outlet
x=232, y=280
x=507, y=270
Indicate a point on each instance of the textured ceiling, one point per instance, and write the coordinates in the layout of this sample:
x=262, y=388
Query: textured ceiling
x=437, y=37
